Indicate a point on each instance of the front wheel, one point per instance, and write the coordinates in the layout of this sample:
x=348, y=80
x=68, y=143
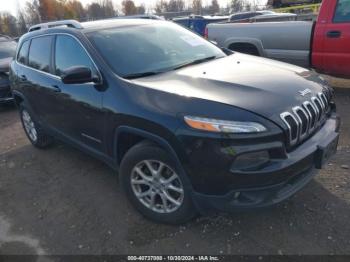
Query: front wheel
x=155, y=186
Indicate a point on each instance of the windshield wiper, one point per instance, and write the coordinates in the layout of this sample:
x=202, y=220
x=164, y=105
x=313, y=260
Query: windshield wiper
x=142, y=74
x=195, y=62
x=151, y=73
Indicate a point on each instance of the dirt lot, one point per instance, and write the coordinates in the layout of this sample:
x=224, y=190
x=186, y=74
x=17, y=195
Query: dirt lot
x=61, y=201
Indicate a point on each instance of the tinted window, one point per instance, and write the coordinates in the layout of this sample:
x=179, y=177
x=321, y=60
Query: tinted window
x=342, y=12
x=40, y=53
x=7, y=49
x=157, y=47
x=70, y=53
x=23, y=53
x=243, y=16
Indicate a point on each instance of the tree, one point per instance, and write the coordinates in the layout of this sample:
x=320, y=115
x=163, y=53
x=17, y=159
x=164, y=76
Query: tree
x=214, y=7
x=94, y=11
x=76, y=9
x=31, y=13
x=248, y=7
x=21, y=23
x=108, y=8
x=161, y=6
x=197, y=7
x=129, y=7
x=175, y=6
x=8, y=24
x=141, y=9
x=236, y=6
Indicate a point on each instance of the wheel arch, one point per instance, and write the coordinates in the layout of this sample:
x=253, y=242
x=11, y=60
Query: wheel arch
x=246, y=41
x=18, y=97
x=136, y=135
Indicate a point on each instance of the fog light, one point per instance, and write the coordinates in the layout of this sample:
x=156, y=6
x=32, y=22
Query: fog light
x=251, y=161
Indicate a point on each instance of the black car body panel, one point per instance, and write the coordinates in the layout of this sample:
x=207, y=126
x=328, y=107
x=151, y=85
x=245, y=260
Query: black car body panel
x=5, y=60
x=104, y=119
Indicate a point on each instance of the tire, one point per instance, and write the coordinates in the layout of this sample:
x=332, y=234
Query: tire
x=144, y=157
x=33, y=130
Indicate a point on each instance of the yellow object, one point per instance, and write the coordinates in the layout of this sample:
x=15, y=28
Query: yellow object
x=314, y=7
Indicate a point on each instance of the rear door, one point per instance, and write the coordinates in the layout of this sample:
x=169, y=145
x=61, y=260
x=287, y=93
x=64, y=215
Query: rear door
x=336, y=40
x=35, y=76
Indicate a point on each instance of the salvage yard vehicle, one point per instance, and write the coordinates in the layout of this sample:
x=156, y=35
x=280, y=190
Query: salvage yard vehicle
x=261, y=16
x=323, y=45
x=7, y=52
x=198, y=23
x=189, y=127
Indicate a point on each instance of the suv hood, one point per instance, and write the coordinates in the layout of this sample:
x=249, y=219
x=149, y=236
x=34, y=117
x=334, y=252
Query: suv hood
x=263, y=86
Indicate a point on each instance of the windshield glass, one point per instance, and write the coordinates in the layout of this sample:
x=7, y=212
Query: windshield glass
x=148, y=48
x=7, y=49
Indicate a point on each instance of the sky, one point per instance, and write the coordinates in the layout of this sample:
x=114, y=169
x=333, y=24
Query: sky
x=11, y=5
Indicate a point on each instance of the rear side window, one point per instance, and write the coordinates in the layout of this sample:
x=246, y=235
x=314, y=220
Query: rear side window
x=342, y=12
x=23, y=53
x=40, y=53
x=70, y=53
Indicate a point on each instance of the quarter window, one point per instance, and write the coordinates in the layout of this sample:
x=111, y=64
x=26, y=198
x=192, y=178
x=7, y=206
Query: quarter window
x=40, y=53
x=70, y=53
x=23, y=53
x=342, y=12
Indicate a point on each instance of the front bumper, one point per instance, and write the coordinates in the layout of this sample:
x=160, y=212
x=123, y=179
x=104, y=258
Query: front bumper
x=5, y=90
x=272, y=184
x=243, y=199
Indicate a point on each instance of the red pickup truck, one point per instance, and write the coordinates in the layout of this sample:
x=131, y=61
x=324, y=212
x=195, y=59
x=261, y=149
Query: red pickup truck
x=323, y=45
x=331, y=41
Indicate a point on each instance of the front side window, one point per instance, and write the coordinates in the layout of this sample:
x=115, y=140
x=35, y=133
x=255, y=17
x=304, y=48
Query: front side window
x=342, y=12
x=23, y=53
x=68, y=53
x=40, y=53
x=157, y=47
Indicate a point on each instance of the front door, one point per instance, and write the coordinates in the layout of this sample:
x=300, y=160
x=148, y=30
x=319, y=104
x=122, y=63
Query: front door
x=79, y=114
x=336, y=58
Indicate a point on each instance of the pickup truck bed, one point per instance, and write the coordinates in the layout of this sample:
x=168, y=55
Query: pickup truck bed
x=285, y=41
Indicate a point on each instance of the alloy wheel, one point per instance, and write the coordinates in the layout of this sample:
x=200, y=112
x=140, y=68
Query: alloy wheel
x=29, y=126
x=157, y=186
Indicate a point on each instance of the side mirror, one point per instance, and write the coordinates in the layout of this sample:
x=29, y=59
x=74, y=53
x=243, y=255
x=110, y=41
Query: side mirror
x=78, y=75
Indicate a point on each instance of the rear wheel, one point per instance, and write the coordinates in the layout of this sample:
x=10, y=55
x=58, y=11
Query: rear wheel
x=155, y=186
x=34, y=132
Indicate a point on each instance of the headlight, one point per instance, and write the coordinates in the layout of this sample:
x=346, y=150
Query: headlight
x=224, y=126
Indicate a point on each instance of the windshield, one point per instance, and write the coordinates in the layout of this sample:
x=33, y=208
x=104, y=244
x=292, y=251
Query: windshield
x=7, y=49
x=157, y=47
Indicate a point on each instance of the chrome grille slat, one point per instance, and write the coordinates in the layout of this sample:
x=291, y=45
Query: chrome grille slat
x=304, y=119
x=284, y=115
x=304, y=125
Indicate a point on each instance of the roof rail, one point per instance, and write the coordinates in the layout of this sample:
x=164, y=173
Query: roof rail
x=68, y=23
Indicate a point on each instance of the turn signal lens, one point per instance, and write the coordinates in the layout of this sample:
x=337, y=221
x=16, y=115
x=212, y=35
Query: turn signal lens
x=224, y=126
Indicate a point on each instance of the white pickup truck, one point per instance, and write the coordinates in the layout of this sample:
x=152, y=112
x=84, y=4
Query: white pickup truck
x=284, y=41
x=323, y=45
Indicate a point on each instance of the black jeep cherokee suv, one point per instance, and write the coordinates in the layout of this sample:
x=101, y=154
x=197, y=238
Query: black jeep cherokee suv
x=189, y=127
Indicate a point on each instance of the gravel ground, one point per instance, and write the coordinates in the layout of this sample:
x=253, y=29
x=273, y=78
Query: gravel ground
x=61, y=201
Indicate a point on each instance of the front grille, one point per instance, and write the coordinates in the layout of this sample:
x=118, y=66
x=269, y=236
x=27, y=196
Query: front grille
x=306, y=118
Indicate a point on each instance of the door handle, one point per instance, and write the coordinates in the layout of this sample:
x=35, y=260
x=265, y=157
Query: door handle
x=333, y=34
x=56, y=89
x=23, y=78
